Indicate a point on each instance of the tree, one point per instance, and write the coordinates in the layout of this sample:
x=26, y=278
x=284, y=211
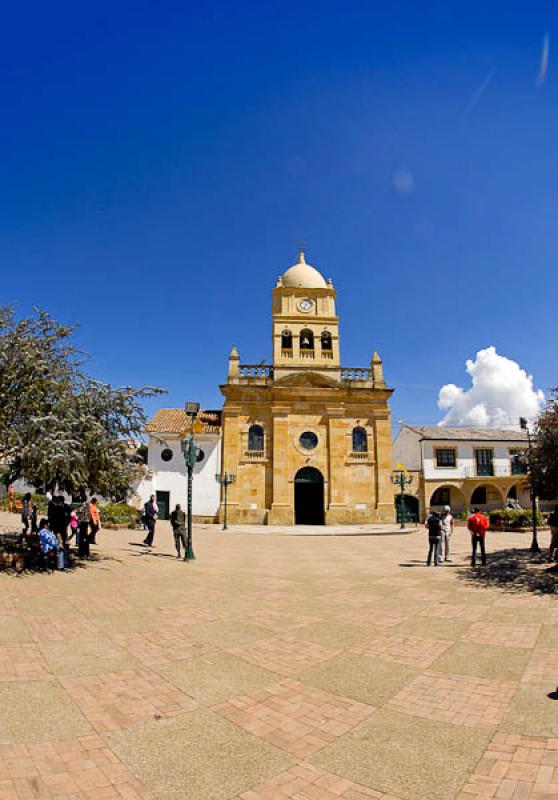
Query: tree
x=544, y=460
x=59, y=426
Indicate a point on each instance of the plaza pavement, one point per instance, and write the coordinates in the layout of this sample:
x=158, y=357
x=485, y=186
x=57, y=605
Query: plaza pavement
x=276, y=668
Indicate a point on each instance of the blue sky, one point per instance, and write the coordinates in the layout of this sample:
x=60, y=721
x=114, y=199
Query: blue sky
x=160, y=162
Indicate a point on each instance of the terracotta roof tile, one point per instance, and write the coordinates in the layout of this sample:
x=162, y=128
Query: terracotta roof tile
x=176, y=420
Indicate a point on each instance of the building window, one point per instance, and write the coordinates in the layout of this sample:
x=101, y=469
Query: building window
x=518, y=462
x=308, y=440
x=306, y=339
x=287, y=340
x=166, y=454
x=360, y=442
x=441, y=497
x=445, y=457
x=485, y=464
x=326, y=340
x=478, y=498
x=256, y=438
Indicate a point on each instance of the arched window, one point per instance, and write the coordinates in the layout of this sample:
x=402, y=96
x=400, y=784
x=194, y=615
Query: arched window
x=326, y=340
x=306, y=340
x=287, y=340
x=256, y=438
x=360, y=442
x=441, y=497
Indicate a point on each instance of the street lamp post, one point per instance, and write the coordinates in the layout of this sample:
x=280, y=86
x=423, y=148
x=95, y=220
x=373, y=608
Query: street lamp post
x=225, y=480
x=191, y=452
x=535, y=542
x=401, y=478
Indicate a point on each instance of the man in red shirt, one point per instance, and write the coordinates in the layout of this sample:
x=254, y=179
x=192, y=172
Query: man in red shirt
x=478, y=524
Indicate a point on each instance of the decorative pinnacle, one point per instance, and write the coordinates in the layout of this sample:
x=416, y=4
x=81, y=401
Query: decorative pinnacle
x=301, y=259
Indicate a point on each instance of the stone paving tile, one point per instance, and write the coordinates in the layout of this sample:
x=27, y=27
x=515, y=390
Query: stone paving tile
x=489, y=661
x=454, y=611
x=284, y=655
x=38, y=711
x=70, y=626
x=275, y=620
x=532, y=712
x=73, y=657
x=12, y=629
x=515, y=768
x=22, y=662
x=162, y=647
x=378, y=618
x=80, y=769
x=502, y=633
x=228, y=633
x=411, y=650
x=461, y=700
x=306, y=782
x=294, y=717
x=542, y=666
x=122, y=699
x=93, y=606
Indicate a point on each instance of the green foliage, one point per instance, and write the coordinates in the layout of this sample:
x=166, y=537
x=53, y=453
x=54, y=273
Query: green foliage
x=119, y=514
x=514, y=517
x=544, y=462
x=38, y=500
x=462, y=515
x=58, y=426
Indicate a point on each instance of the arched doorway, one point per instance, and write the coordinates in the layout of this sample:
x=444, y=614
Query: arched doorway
x=309, y=497
x=411, y=508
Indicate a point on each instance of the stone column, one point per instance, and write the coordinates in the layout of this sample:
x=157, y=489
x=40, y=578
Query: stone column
x=337, y=450
x=230, y=460
x=282, y=506
x=383, y=453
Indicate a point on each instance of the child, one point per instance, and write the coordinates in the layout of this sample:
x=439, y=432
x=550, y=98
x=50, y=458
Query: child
x=73, y=524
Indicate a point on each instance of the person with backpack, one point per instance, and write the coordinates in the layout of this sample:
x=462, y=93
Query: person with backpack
x=553, y=523
x=434, y=526
x=478, y=524
x=178, y=523
x=26, y=512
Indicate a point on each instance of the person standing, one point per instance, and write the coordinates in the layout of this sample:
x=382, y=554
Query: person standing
x=150, y=511
x=434, y=526
x=57, y=518
x=34, y=519
x=94, y=520
x=10, y=497
x=447, y=531
x=26, y=512
x=178, y=522
x=83, y=540
x=478, y=524
x=553, y=523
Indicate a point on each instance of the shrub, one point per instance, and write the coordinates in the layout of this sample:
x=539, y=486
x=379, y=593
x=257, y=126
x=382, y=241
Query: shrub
x=119, y=514
x=36, y=499
x=514, y=517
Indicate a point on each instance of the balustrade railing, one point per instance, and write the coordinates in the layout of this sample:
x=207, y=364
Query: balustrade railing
x=255, y=371
x=355, y=373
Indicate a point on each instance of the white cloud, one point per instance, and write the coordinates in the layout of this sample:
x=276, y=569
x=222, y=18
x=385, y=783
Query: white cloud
x=499, y=394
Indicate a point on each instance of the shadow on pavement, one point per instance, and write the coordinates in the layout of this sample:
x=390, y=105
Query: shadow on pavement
x=514, y=571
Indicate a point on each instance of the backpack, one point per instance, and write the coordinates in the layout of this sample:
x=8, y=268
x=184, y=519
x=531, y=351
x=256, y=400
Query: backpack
x=434, y=526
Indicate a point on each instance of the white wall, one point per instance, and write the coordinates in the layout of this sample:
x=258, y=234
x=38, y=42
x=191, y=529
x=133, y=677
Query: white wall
x=406, y=449
x=170, y=476
x=466, y=466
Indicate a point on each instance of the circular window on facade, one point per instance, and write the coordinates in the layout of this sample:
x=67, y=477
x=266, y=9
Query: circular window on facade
x=166, y=454
x=200, y=456
x=308, y=440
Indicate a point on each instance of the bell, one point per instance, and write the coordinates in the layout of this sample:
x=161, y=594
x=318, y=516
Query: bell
x=305, y=341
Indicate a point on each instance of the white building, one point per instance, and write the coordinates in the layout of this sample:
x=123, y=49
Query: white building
x=462, y=467
x=166, y=477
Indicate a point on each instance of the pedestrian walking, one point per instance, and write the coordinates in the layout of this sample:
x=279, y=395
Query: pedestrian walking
x=83, y=531
x=58, y=519
x=26, y=512
x=150, y=511
x=434, y=526
x=34, y=519
x=94, y=520
x=73, y=524
x=447, y=531
x=478, y=524
x=553, y=522
x=178, y=522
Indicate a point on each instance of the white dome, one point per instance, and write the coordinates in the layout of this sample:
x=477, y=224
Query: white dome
x=303, y=275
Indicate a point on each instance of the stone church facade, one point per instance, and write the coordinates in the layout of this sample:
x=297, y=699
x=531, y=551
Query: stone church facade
x=308, y=439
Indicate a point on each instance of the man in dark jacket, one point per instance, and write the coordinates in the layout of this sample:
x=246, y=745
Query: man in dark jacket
x=150, y=511
x=434, y=525
x=57, y=518
x=178, y=522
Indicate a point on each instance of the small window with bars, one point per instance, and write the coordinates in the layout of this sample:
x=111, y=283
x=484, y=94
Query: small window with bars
x=446, y=457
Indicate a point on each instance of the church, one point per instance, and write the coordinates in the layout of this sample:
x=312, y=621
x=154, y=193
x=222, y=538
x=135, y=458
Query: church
x=308, y=440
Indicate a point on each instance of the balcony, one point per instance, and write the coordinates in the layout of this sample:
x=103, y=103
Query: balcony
x=500, y=471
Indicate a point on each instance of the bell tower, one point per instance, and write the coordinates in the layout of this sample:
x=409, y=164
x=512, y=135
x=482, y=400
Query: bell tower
x=305, y=326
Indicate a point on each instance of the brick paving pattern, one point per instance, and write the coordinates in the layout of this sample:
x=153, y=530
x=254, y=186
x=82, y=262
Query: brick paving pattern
x=515, y=768
x=473, y=702
x=409, y=650
x=283, y=655
x=121, y=647
x=85, y=769
x=295, y=717
x=121, y=699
